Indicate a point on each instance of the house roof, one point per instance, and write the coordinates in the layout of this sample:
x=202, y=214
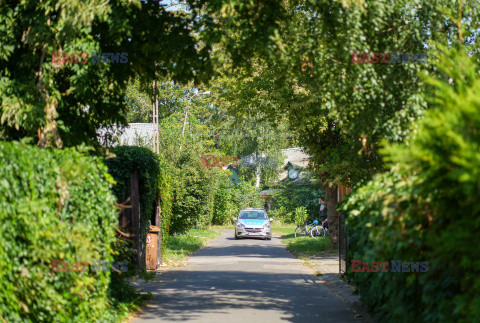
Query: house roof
x=296, y=157
x=129, y=135
x=136, y=130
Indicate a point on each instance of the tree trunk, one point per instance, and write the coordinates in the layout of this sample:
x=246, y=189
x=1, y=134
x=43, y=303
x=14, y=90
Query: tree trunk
x=257, y=175
x=332, y=214
x=48, y=135
x=135, y=197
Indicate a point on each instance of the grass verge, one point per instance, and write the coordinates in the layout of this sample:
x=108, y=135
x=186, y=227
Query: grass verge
x=124, y=299
x=303, y=247
x=180, y=246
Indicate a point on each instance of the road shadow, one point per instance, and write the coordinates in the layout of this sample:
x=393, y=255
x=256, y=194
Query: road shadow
x=194, y=295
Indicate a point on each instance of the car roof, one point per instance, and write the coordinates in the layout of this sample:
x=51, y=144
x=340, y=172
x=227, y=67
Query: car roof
x=252, y=209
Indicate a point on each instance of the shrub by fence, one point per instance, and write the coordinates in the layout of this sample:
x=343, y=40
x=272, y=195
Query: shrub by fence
x=194, y=190
x=426, y=209
x=54, y=205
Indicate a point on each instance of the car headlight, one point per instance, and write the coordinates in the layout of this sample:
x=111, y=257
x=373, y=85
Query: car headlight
x=240, y=225
x=267, y=225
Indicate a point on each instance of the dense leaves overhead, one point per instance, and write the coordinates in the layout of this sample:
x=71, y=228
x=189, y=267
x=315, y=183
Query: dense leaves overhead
x=341, y=110
x=64, y=104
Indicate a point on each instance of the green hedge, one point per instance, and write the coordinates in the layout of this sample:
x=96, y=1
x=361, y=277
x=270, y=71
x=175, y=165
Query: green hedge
x=223, y=209
x=426, y=209
x=194, y=191
x=54, y=205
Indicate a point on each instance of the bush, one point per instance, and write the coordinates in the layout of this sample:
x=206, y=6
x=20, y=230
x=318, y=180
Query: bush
x=54, y=205
x=244, y=194
x=288, y=196
x=223, y=205
x=426, y=209
x=278, y=214
x=193, y=193
x=165, y=187
x=300, y=215
x=201, y=194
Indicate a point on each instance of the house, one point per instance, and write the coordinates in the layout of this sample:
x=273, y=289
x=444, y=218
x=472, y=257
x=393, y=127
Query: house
x=295, y=159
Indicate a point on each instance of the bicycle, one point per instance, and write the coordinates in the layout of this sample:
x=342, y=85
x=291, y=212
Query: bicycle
x=303, y=230
x=319, y=230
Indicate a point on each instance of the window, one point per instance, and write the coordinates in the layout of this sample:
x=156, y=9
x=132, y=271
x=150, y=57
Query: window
x=253, y=215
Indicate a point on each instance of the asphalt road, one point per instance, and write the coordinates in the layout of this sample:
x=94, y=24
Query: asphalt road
x=243, y=281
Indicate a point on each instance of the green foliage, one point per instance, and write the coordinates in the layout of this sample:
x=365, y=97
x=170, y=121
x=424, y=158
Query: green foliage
x=300, y=215
x=426, y=208
x=340, y=110
x=303, y=247
x=54, y=205
x=309, y=247
x=224, y=207
x=151, y=179
x=165, y=186
x=245, y=195
x=289, y=196
x=124, y=298
x=194, y=190
x=87, y=95
x=281, y=213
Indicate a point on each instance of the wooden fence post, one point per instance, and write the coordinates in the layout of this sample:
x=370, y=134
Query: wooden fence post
x=135, y=197
x=158, y=223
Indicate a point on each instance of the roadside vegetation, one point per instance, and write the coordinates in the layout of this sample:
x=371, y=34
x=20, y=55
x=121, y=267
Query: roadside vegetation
x=303, y=247
x=403, y=135
x=124, y=299
x=180, y=246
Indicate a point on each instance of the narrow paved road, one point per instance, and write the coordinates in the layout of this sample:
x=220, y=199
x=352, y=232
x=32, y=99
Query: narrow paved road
x=243, y=281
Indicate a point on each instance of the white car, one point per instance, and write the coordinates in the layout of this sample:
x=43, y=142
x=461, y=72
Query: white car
x=253, y=223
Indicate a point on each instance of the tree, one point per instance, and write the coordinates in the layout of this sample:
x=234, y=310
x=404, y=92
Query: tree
x=63, y=104
x=342, y=110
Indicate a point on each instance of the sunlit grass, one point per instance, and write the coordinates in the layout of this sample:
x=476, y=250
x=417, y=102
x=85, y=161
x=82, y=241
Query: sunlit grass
x=180, y=246
x=303, y=247
x=223, y=227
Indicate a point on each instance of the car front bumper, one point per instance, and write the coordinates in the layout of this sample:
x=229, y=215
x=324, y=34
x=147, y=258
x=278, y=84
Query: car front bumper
x=254, y=232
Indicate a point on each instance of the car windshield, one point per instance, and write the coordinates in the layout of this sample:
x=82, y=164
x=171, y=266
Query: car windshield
x=253, y=215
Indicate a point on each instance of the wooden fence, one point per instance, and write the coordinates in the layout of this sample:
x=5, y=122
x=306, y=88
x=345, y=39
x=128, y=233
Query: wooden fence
x=130, y=219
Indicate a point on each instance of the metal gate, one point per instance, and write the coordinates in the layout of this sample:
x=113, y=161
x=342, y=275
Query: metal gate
x=342, y=244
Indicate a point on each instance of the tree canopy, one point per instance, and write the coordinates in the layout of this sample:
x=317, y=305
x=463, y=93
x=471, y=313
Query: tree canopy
x=63, y=104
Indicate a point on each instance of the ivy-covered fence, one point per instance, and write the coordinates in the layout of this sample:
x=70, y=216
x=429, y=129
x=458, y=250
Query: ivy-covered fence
x=54, y=205
x=154, y=186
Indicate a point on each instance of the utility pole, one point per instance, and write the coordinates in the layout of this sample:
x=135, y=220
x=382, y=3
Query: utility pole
x=156, y=141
